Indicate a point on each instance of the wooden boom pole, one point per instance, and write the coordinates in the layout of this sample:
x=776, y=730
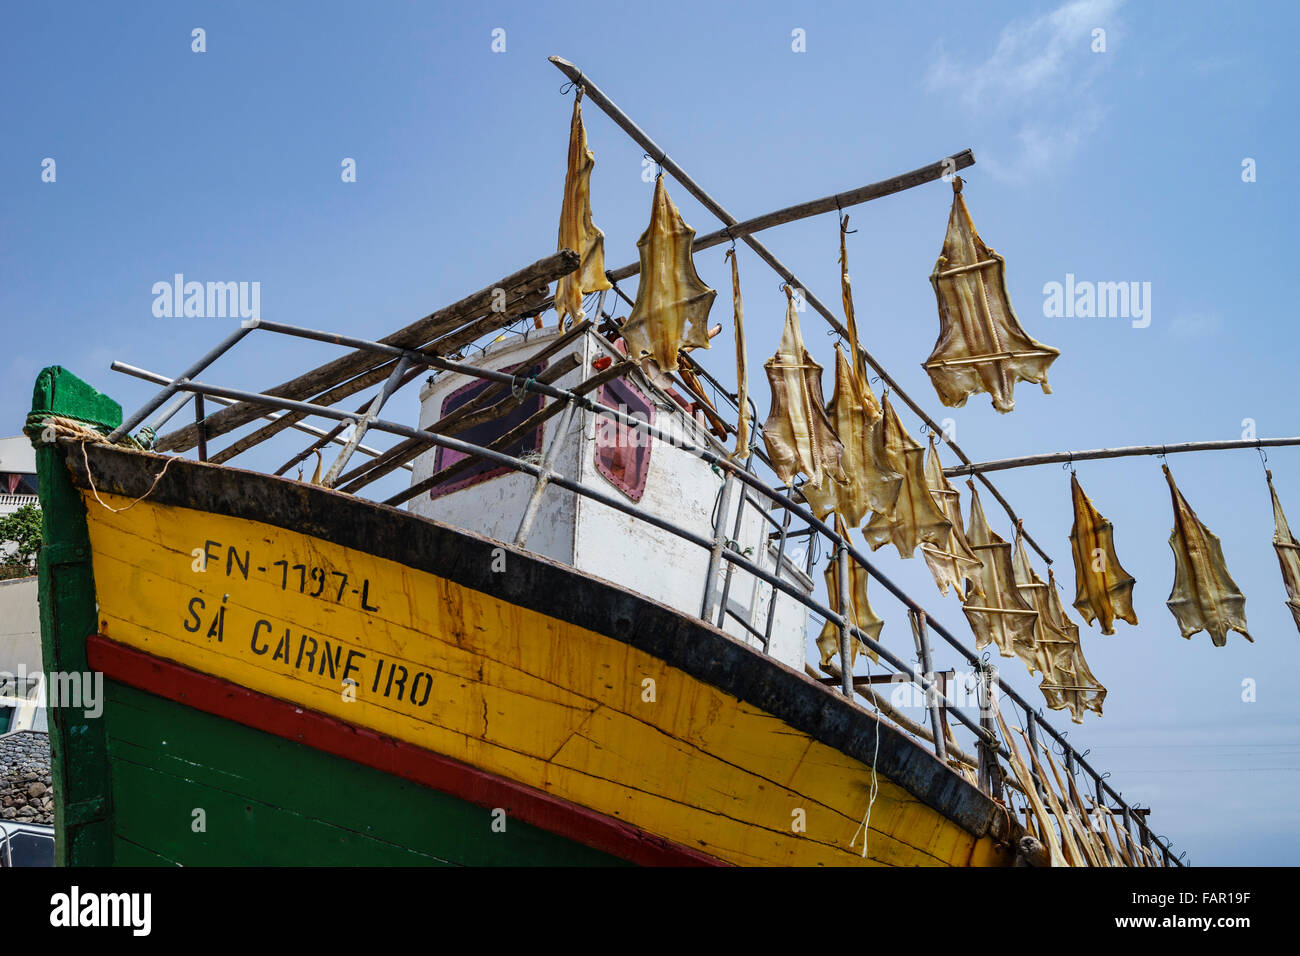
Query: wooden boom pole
x=1131, y=451
x=656, y=152
x=815, y=207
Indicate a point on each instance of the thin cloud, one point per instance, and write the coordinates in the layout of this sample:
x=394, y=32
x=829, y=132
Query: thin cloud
x=1036, y=84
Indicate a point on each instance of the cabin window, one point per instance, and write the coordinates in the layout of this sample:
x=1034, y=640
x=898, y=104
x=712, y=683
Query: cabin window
x=486, y=433
x=623, y=453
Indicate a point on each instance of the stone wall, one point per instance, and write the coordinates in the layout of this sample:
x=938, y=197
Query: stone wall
x=25, y=785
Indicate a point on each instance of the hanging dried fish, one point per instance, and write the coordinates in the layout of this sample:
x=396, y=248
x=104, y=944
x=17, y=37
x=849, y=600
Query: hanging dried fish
x=861, y=614
x=953, y=561
x=870, y=485
x=916, y=517
x=1000, y=615
x=981, y=347
x=1067, y=682
x=846, y=296
x=672, y=304
x=742, y=363
x=1103, y=589
x=577, y=230
x=855, y=414
x=1204, y=596
x=1288, y=553
x=797, y=433
x=1038, y=655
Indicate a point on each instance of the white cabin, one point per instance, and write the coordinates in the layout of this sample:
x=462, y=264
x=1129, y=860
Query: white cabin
x=657, y=477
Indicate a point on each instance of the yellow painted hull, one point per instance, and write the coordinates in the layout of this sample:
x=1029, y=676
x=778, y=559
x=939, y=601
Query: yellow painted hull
x=506, y=689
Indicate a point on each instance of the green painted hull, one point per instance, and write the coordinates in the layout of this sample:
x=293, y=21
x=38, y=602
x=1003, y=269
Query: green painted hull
x=266, y=801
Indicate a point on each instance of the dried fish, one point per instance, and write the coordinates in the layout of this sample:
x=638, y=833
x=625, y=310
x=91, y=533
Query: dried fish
x=870, y=485
x=1103, y=589
x=1288, y=553
x=672, y=303
x=916, y=517
x=1204, y=596
x=797, y=433
x=846, y=296
x=1034, y=591
x=953, y=561
x=861, y=615
x=1000, y=614
x=577, y=230
x=1067, y=682
x=742, y=362
x=981, y=346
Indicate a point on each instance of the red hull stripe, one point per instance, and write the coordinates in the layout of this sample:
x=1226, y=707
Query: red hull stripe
x=322, y=732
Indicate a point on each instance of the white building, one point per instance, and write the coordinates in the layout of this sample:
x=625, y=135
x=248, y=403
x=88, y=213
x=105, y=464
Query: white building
x=17, y=474
x=20, y=636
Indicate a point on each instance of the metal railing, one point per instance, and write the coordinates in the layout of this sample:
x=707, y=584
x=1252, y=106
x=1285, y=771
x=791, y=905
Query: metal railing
x=713, y=611
x=17, y=501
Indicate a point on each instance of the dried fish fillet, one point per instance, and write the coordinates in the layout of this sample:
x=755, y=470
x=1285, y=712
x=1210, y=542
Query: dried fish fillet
x=953, y=561
x=577, y=230
x=1103, y=589
x=855, y=414
x=1067, y=682
x=916, y=517
x=1000, y=615
x=846, y=296
x=981, y=347
x=870, y=485
x=1204, y=596
x=1288, y=553
x=672, y=304
x=742, y=362
x=861, y=614
x=797, y=433
x=1034, y=591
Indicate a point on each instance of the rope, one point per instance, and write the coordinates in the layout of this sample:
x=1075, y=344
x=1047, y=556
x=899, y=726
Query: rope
x=83, y=432
x=95, y=491
x=865, y=826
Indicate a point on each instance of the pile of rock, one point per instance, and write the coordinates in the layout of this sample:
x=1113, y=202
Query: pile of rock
x=26, y=793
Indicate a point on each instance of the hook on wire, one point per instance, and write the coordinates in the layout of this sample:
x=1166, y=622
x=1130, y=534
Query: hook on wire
x=844, y=218
x=658, y=161
x=564, y=90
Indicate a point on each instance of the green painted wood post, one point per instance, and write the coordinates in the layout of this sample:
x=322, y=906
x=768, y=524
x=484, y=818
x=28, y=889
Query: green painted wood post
x=78, y=751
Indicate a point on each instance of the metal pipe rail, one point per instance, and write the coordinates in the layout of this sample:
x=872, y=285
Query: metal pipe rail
x=731, y=472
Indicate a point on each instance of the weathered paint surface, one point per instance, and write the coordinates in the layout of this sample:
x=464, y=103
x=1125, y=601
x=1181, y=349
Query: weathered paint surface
x=499, y=686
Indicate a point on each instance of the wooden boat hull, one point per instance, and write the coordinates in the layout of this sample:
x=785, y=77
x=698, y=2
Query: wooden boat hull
x=333, y=681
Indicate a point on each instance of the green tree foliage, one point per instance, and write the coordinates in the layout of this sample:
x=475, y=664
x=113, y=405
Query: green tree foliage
x=23, y=529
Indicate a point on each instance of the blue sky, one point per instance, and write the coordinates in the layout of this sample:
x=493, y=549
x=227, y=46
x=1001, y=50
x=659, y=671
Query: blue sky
x=1123, y=165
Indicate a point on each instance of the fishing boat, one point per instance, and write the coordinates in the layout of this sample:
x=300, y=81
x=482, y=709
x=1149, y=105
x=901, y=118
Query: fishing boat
x=577, y=634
